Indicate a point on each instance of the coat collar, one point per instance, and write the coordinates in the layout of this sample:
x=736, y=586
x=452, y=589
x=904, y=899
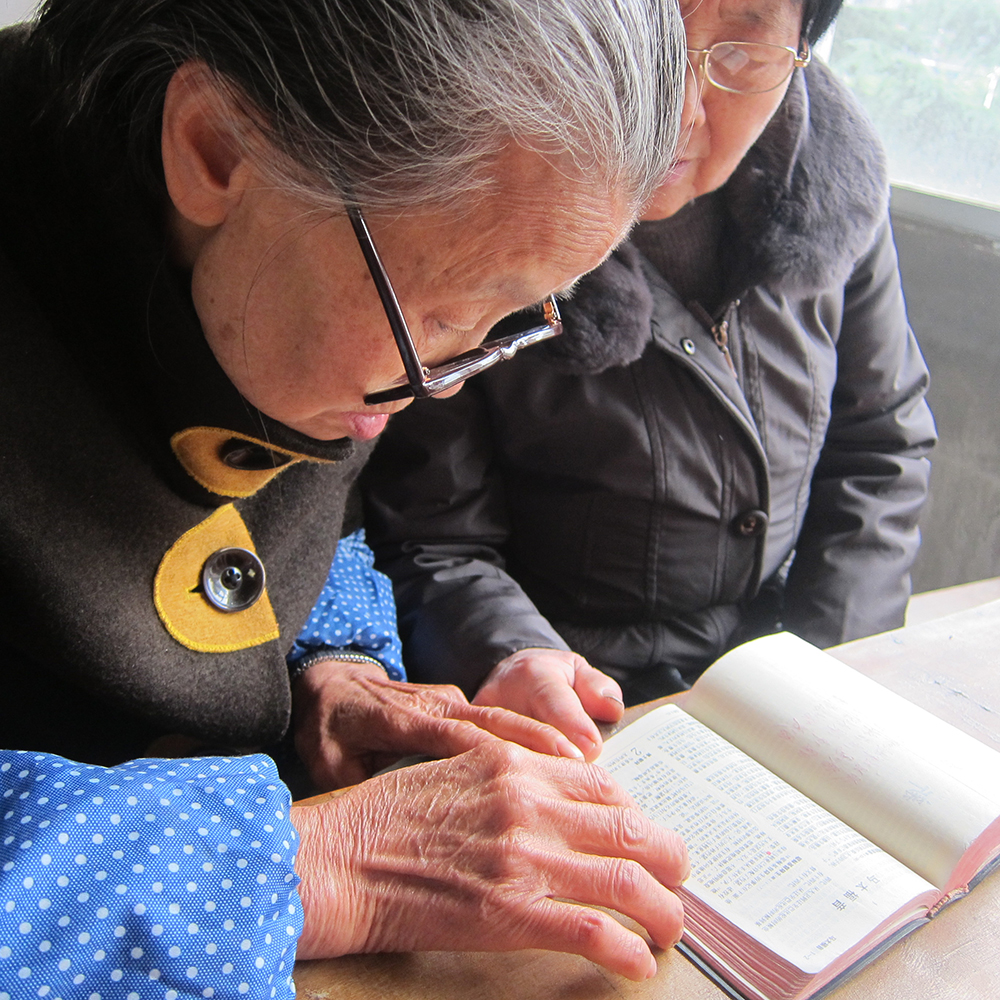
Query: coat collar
x=803, y=205
x=807, y=199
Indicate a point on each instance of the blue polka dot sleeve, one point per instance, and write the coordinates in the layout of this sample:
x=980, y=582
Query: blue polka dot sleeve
x=155, y=880
x=355, y=612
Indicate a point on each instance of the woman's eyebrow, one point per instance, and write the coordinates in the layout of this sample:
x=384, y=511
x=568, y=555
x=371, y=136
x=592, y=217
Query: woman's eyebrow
x=767, y=13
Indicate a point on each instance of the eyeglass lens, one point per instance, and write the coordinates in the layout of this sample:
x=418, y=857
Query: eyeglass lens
x=748, y=67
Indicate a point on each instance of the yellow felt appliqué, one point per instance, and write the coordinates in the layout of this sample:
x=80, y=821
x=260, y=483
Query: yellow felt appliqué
x=183, y=609
x=198, y=449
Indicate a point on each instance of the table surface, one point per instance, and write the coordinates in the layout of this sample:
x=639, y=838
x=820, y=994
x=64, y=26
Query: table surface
x=948, y=666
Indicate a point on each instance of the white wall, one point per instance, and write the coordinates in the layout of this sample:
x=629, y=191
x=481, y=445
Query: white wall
x=15, y=10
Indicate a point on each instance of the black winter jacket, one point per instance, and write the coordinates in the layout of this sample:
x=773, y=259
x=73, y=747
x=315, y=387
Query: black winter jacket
x=625, y=491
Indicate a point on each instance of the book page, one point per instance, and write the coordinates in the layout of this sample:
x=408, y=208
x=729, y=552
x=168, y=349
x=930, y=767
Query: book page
x=771, y=862
x=916, y=786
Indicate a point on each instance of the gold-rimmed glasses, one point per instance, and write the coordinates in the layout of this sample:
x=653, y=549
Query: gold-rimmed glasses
x=501, y=343
x=748, y=67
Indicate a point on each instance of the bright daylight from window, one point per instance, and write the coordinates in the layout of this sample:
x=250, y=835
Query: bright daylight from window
x=928, y=73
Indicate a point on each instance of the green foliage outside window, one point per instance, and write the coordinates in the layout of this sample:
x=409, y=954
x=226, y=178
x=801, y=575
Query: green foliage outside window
x=928, y=74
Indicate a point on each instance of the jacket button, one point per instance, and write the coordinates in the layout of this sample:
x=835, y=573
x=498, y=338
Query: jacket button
x=689, y=346
x=245, y=455
x=750, y=524
x=232, y=579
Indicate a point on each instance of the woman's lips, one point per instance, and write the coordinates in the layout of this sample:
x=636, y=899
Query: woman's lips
x=365, y=426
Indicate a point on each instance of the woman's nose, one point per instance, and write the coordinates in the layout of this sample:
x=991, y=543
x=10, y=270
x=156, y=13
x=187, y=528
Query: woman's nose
x=693, y=112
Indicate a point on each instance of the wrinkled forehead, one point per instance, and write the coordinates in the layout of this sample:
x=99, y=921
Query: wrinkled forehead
x=778, y=15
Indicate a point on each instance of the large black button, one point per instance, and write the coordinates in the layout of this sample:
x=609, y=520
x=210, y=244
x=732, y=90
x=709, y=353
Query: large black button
x=251, y=457
x=750, y=524
x=232, y=579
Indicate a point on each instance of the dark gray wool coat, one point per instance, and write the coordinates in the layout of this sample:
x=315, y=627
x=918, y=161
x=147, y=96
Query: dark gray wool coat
x=623, y=491
x=127, y=458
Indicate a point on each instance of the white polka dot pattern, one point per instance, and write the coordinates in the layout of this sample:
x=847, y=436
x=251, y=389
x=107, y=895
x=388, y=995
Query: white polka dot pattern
x=355, y=610
x=155, y=880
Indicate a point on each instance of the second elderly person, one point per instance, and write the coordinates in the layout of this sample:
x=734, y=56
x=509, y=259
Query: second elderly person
x=731, y=436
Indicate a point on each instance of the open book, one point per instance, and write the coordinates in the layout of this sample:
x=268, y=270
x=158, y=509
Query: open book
x=824, y=815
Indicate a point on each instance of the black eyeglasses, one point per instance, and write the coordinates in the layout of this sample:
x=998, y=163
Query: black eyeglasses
x=423, y=382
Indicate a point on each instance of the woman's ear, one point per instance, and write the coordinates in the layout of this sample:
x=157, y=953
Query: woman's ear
x=203, y=164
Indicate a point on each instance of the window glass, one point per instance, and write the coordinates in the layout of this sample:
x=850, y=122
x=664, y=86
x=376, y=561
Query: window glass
x=12, y=11
x=928, y=74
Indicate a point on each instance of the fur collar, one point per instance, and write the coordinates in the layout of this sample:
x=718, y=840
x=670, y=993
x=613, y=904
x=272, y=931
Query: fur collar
x=802, y=207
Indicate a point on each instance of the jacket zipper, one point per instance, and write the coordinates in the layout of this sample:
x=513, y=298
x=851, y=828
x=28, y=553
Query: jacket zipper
x=720, y=332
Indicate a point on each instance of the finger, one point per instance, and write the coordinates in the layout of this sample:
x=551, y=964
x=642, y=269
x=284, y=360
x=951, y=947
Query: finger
x=599, y=694
x=620, y=832
x=580, y=930
x=451, y=736
x=440, y=737
x=446, y=702
x=590, y=783
x=554, y=701
x=621, y=885
x=528, y=732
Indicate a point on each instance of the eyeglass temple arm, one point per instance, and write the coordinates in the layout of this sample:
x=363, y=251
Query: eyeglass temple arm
x=415, y=373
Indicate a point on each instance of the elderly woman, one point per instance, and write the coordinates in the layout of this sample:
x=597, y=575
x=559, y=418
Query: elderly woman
x=193, y=323
x=730, y=437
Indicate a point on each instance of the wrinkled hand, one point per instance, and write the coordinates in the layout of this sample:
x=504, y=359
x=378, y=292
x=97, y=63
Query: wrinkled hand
x=482, y=852
x=556, y=687
x=350, y=720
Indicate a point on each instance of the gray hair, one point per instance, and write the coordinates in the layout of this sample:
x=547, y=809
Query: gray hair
x=399, y=101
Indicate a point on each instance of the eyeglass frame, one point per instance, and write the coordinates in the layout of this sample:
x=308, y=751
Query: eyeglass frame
x=802, y=58
x=420, y=381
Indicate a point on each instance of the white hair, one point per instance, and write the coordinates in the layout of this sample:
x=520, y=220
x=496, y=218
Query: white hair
x=397, y=101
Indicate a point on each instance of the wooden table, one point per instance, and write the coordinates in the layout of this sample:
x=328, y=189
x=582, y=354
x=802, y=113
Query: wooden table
x=950, y=666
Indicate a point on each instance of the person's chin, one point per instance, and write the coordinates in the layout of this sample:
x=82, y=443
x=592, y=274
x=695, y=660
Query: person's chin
x=673, y=194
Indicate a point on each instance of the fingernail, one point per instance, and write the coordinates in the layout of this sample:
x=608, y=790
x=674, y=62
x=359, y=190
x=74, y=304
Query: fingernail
x=613, y=696
x=574, y=751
